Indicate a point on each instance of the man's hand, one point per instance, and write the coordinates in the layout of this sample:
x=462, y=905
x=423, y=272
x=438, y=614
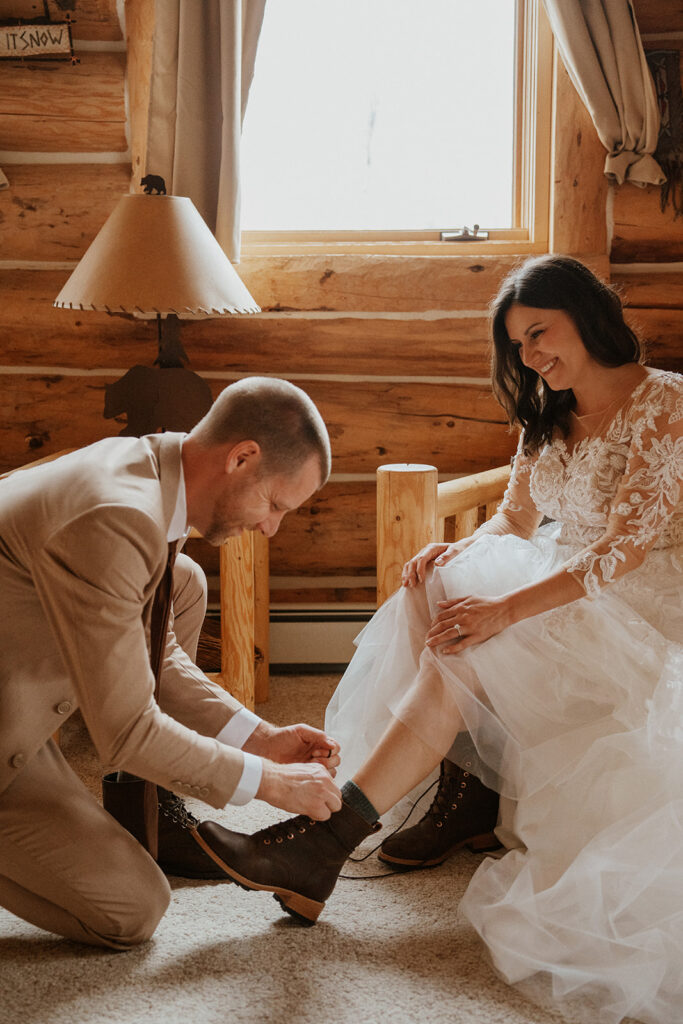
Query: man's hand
x=299, y=789
x=294, y=744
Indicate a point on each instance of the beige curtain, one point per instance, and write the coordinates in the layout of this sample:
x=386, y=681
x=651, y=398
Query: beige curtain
x=601, y=47
x=202, y=67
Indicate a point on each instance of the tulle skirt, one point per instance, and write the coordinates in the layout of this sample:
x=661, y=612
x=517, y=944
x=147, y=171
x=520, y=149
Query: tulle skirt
x=575, y=716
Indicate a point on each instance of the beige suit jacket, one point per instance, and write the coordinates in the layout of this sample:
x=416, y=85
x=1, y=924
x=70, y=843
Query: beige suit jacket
x=82, y=549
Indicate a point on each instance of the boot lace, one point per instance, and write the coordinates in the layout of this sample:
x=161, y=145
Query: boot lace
x=285, y=831
x=451, y=790
x=171, y=806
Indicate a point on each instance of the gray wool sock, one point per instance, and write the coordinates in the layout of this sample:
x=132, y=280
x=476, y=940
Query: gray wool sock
x=356, y=799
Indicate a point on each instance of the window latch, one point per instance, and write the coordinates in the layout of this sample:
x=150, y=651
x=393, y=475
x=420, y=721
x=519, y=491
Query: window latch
x=465, y=235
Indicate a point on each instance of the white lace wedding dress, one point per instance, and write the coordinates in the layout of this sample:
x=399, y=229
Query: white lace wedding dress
x=575, y=714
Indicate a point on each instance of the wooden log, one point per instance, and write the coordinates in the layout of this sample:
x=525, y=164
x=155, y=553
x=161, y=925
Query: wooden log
x=139, y=40
x=261, y=617
x=312, y=595
x=372, y=283
x=579, y=187
x=459, y=427
x=59, y=107
x=643, y=232
x=466, y=523
x=662, y=332
x=43, y=414
x=458, y=496
x=656, y=288
x=93, y=19
x=35, y=333
x=659, y=15
x=53, y=212
x=406, y=520
x=237, y=627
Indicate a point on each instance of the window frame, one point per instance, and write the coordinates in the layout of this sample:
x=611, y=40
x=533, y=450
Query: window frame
x=530, y=231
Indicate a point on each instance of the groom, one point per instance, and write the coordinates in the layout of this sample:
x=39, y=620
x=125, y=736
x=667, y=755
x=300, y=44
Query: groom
x=84, y=549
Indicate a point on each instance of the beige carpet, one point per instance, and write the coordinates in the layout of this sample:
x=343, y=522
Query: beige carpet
x=392, y=950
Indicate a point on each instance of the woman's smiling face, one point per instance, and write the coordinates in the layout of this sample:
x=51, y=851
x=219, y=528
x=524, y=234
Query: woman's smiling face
x=549, y=343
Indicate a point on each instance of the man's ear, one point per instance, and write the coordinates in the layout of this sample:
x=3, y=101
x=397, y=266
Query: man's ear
x=243, y=455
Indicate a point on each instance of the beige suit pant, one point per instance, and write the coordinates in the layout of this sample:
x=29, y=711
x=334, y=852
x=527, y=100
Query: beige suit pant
x=65, y=864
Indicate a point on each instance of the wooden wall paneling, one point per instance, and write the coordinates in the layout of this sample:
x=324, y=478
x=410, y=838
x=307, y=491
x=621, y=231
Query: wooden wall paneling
x=659, y=15
x=579, y=189
x=34, y=333
x=93, y=19
x=662, y=331
x=362, y=283
x=333, y=534
x=374, y=283
x=458, y=429
x=657, y=288
x=52, y=106
x=43, y=414
x=53, y=212
x=41, y=335
x=643, y=232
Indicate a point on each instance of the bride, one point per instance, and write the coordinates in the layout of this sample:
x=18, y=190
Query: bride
x=556, y=652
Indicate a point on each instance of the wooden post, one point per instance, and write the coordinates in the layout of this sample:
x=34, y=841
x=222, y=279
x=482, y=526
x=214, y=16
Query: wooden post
x=406, y=519
x=261, y=616
x=237, y=618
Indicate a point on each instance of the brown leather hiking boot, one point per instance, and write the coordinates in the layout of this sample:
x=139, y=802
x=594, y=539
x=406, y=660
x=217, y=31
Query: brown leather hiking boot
x=180, y=853
x=464, y=813
x=298, y=860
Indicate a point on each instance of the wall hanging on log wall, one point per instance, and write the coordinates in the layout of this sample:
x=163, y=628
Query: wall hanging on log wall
x=26, y=37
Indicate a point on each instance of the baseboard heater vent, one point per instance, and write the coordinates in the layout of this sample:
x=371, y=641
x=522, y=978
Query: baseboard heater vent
x=310, y=641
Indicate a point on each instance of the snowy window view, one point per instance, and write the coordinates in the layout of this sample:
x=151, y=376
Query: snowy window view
x=377, y=115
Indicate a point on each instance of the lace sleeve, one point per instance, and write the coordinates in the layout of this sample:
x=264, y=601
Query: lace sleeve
x=517, y=512
x=647, y=497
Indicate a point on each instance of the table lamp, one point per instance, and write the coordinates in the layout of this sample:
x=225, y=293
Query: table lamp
x=156, y=258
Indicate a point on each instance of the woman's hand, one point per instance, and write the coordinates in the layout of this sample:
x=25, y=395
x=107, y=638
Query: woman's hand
x=466, y=621
x=414, y=570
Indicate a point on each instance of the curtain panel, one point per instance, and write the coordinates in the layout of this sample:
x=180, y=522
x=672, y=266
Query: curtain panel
x=202, y=67
x=601, y=47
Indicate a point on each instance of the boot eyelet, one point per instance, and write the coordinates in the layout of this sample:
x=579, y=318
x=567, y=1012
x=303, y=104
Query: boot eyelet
x=463, y=785
x=465, y=775
x=278, y=839
x=459, y=796
x=311, y=821
x=454, y=807
x=439, y=824
x=290, y=835
x=267, y=842
x=302, y=830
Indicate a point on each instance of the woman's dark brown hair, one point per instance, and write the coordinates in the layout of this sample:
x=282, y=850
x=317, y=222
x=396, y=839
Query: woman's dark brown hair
x=554, y=282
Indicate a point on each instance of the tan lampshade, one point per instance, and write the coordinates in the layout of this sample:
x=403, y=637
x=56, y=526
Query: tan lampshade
x=153, y=255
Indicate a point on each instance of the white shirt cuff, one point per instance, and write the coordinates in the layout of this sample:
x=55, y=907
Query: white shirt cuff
x=238, y=729
x=250, y=780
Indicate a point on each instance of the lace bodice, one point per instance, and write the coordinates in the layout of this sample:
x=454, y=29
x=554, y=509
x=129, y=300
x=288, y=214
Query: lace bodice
x=617, y=495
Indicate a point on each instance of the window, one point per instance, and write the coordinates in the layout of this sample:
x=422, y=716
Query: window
x=381, y=122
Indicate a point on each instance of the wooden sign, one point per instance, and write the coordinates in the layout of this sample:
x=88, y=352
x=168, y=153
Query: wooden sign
x=36, y=40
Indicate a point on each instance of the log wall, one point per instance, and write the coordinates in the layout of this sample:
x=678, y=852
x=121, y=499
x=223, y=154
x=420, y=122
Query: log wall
x=646, y=249
x=393, y=348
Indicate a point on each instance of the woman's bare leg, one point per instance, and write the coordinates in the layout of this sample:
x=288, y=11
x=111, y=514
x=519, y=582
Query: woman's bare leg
x=401, y=760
